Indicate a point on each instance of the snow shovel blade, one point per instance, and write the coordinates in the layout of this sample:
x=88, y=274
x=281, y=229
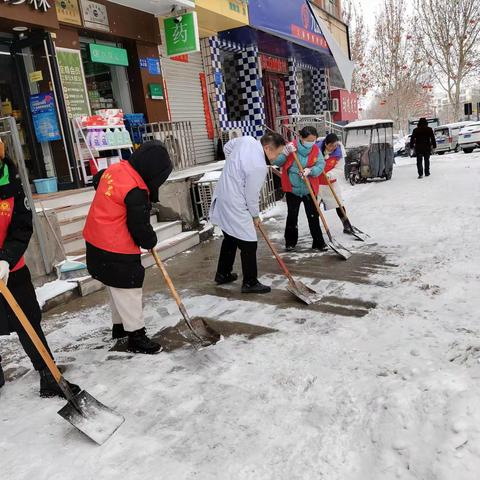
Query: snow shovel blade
x=91, y=417
x=303, y=292
x=202, y=333
x=359, y=236
x=339, y=250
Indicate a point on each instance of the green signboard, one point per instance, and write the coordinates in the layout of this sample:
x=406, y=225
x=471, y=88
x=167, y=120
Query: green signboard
x=156, y=91
x=108, y=55
x=73, y=81
x=181, y=34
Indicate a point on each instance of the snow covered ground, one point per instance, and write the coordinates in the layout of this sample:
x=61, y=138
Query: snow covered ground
x=394, y=394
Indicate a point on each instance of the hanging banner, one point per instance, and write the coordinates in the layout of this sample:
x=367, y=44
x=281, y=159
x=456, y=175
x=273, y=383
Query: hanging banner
x=73, y=81
x=206, y=107
x=181, y=34
x=44, y=116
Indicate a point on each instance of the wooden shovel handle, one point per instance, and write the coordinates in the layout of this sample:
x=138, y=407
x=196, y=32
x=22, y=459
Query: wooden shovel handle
x=30, y=331
x=312, y=194
x=167, y=278
x=275, y=253
x=335, y=195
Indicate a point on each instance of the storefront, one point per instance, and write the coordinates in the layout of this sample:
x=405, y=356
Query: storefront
x=64, y=59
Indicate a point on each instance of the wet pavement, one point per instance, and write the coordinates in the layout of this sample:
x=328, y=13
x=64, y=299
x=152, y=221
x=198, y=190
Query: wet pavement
x=192, y=272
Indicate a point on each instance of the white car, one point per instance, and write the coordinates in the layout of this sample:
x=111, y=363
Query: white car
x=469, y=137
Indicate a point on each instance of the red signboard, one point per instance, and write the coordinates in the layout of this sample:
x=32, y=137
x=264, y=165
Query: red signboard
x=206, y=107
x=308, y=36
x=274, y=64
x=347, y=105
x=181, y=58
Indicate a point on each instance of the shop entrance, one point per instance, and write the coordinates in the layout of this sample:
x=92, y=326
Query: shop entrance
x=40, y=109
x=275, y=97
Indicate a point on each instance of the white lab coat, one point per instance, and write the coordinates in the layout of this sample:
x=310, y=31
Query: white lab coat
x=236, y=198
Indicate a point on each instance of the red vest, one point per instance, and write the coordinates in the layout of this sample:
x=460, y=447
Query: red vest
x=330, y=164
x=6, y=212
x=312, y=160
x=106, y=225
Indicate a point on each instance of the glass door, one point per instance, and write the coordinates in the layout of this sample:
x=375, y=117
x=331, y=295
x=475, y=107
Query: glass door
x=44, y=112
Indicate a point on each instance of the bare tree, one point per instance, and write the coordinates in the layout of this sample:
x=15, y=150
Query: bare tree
x=398, y=71
x=359, y=36
x=448, y=33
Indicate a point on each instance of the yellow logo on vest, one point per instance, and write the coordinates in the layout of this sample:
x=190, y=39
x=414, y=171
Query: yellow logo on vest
x=107, y=177
x=5, y=209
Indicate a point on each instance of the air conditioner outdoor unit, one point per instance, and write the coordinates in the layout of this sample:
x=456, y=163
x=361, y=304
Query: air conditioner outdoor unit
x=334, y=105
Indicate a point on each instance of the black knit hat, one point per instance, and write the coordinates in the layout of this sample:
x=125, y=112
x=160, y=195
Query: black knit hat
x=153, y=163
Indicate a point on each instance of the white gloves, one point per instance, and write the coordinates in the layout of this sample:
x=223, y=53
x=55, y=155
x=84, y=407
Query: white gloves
x=307, y=171
x=288, y=149
x=4, y=271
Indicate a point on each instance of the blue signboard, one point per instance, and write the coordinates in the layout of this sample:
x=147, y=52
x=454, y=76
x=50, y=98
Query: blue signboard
x=44, y=116
x=143, y=63
x=294, y=22
x=154, y=66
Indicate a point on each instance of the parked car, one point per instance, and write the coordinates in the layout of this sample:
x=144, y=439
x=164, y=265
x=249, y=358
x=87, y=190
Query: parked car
x=469, y=137
x=447, y=137
x=398, y=145
x=409, y=152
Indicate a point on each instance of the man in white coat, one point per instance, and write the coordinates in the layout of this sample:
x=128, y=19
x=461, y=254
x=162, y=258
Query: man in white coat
x=235, y=205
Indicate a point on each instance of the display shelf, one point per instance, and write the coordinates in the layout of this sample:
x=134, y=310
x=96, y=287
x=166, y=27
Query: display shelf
x=108, y=147
x=98, y=127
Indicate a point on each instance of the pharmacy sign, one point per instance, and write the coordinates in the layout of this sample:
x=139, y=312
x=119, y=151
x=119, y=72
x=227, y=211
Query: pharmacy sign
x=181, y=34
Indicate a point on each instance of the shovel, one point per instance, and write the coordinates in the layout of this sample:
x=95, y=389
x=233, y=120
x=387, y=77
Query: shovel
x=297, y=288
x=356, y=232
x=84, y=412
x=201, y=333
x=333, y=244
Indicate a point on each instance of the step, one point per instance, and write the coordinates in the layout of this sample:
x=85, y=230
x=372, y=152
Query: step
x=74, y=244
x=64, y=199
x=72, y=211
x=166, y=249
x=72, y=225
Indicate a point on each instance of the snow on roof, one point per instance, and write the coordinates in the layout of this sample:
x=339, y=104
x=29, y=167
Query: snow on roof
x=368, y=123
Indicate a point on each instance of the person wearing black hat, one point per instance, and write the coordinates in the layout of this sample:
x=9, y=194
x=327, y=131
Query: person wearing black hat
x=117, y=227
x=423, y=142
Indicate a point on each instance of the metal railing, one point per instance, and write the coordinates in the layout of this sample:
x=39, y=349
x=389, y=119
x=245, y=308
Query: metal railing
x=177, y=137
x=292, y=124
x=202, y=193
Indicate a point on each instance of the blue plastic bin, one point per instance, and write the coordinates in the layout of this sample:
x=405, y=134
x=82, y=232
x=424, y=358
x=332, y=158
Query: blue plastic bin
x=46, y=185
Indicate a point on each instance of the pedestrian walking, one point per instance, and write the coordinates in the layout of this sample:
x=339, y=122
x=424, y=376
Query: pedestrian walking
x=423, y=142
x=296, y=191
x=15, y=232
x=117, y=227
x=235, y=206
x=332, y=152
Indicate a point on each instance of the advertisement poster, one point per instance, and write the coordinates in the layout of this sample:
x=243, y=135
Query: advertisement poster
x=73, y=82
x=154, y=66
x=44, y=116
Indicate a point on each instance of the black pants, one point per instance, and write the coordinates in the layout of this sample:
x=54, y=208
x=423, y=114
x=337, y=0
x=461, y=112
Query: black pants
x=20, y=284
x=248, y=255
x=291, y=229
x=420, y=158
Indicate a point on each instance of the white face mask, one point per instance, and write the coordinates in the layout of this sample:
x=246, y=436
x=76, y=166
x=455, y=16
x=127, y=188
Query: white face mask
x=308, y=144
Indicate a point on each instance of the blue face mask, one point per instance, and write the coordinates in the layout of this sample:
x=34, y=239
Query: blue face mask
x=308, y=144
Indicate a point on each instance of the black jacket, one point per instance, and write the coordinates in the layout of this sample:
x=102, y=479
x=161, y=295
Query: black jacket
x=21, y=228
x=118, y=270
x=423, y=140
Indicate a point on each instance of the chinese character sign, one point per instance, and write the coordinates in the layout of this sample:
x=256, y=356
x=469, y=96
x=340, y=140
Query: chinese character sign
x=36, y=4
x=181, y=34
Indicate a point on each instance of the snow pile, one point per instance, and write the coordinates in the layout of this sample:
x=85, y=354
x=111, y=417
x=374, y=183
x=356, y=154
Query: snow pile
x=53, y=289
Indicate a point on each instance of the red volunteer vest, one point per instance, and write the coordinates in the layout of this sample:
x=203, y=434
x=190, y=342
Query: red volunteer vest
x=6, y=212
x=106, y=225
x=330, y=164
x=312, y=159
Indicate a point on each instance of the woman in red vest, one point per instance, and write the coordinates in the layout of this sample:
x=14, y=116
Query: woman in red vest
x=117, y=227
x=15, y=233
x=334, y=165
x=296, y=191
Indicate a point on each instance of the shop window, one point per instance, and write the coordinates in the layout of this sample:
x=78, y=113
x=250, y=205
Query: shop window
x=107, y=85
x=235, y=92
x=306, y=93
